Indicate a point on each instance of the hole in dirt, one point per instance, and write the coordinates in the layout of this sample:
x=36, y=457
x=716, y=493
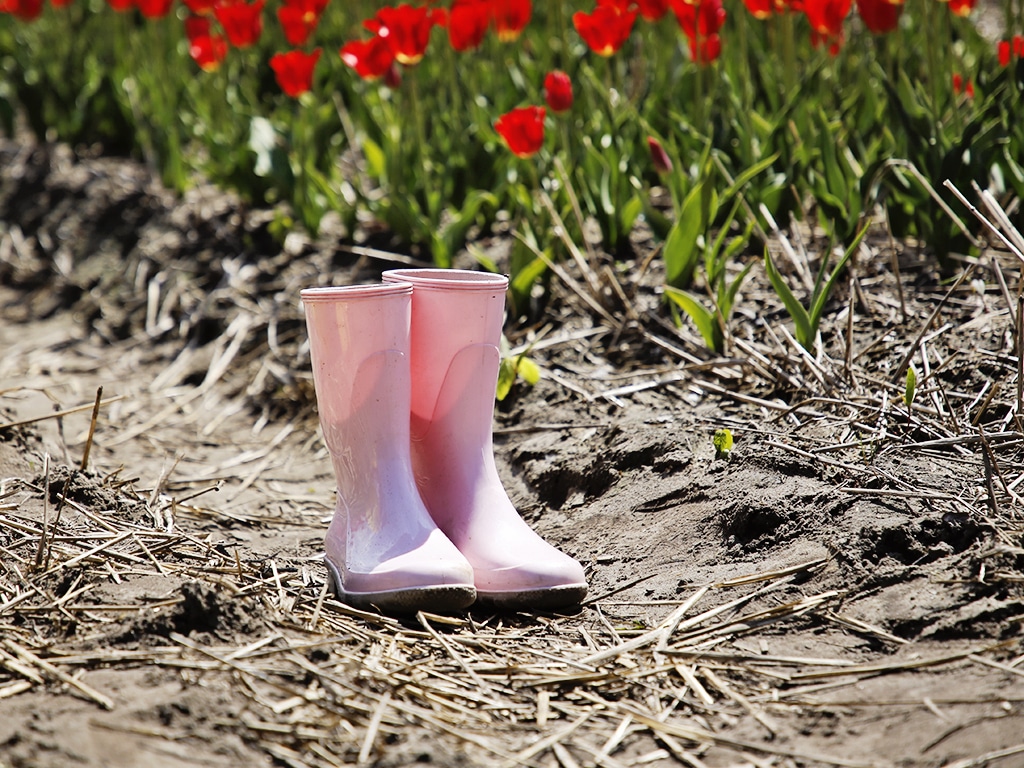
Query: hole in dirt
x=554, y=486
x=896, y=543
x=958, y=530
x=747, y=522
x=908, y=628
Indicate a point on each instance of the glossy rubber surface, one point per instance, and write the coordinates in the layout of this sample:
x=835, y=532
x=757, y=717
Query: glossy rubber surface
x=456, y=328
x=383, y=548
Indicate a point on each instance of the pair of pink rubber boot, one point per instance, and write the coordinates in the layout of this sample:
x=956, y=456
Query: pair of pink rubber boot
x=405, y=375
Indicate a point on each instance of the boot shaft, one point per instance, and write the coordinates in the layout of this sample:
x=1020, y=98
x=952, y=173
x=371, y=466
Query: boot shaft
x=347, y=327
x=452, y=309
x=359, y=350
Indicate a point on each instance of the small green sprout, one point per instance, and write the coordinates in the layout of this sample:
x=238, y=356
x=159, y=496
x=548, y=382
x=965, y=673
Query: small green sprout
x=910, y=389
x=723, y=443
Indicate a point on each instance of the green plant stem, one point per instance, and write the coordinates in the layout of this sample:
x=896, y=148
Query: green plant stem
x=700, y=107
x=563, y=33
x=165, y=102
x=456, y=81
x=304, y=157
x=423, y=160
x=609, y=85
x=745, y=85
x=534, y=176
x=932, y=25
x=884, y=47
x=566, y=136
x=789, y=79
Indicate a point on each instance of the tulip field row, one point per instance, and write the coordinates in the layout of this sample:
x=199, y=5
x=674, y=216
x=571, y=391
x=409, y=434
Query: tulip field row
x=439, y=119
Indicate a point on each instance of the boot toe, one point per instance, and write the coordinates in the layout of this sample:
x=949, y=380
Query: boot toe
x=542, y=584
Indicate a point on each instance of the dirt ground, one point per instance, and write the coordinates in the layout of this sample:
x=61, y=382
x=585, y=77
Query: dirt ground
x=846, y=590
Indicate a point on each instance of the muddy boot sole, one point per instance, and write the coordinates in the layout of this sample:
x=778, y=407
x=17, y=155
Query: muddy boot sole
x=534, y=599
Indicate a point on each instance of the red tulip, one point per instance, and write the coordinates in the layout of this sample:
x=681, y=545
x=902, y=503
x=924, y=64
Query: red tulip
x=510, y=18
x=960, y=87
x=296, y=24
x=312, y=7
x=879, y=16
x=242, y=23
x=700, y=22
x=833, y=42
x=522, y=129
x=827, y=17
x=961, y=7
x=652, y=10
x=704, y=50
x=558, y=91
x=197, y=26
x=700, y=19
x=294, y=71
x=1007, y=50
x=208, y=51
x=299, y=19
x=370, y=59
x=25, y=10
x=406, y=29
x=468, y=21
x=760, y=9
x=1003, y=51
x=606, y=29
x=154, y=9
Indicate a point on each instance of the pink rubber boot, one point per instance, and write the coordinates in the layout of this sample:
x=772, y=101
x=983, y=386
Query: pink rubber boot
x=456, y=327
x=383, y=549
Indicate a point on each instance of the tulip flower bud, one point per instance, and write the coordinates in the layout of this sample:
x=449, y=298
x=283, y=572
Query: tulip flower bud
x=662, y=162
x=558, y=91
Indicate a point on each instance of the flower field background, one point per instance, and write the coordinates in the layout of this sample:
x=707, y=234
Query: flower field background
x=805, y=543
x=713, y=122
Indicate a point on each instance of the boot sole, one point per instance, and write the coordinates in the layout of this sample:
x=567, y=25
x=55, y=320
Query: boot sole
x=442, y=598
x=534, y=599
